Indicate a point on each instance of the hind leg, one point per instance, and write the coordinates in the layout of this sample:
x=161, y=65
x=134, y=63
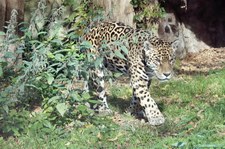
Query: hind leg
x=103, y=106
x=96, y=82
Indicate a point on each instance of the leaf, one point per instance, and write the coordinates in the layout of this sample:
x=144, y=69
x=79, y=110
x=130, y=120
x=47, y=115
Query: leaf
x=6, y=108
x=53, y=99
x=42, y=33
x=19, y=51
x=86, y=95
x=16, y=131
x=179, y=144
x=35, y=42
x=94, y=101
x=2, y=60
x=61, y=51
x=40, y=46
x=9, y=55
x=82, y=108
x=2, y=33
x=47, y=124
x=124, y=49
x=86, y=44
x=62, y=108
x=76, y=96
x=119, y=54
x=57, y=41
x=50, y=79
x=59, y=57
x=38, y=78
x=117, y=74
x=98, y=62
x=110, y=81
x=1, y=71
x=50, y=54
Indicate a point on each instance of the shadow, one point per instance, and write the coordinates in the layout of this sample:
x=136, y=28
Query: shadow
x=122, y=104
x=161, y=106
x=204, y=18
x=195, y=72
x=191, y=72
x=119, y=103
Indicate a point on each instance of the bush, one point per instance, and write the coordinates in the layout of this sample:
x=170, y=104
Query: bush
x=50, y=73
x=147, y=13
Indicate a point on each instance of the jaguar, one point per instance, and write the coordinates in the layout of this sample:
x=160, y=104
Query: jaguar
x=142, y=55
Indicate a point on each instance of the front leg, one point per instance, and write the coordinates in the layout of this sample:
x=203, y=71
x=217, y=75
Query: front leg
x=135, y=107
x=141, y=93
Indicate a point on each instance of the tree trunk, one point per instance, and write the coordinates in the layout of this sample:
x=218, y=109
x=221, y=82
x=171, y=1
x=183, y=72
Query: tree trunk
x=2, y=14
x=19, y=6
x=118, y=11
x=7, y=19
x=6, y=7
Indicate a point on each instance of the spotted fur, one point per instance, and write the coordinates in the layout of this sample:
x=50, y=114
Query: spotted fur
x=147, y=56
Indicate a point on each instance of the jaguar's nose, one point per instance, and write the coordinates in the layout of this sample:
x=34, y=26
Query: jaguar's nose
x=167, y=74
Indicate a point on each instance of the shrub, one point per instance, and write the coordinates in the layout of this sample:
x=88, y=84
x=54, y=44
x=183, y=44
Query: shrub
x=147, y=13
x=50, y=73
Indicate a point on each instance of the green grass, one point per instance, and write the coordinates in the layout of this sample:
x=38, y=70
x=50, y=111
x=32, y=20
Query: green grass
x=193, y=105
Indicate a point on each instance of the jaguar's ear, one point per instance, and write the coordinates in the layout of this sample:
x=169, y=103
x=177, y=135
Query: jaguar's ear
x=148, y=47
x=175, y=44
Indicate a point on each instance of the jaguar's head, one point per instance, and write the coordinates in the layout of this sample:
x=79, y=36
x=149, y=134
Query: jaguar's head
x=160, y=58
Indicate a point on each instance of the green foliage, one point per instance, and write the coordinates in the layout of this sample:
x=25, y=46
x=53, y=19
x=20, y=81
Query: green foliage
x=7, y=40
x=147, y=13
x=49, y=75
x=84, y=12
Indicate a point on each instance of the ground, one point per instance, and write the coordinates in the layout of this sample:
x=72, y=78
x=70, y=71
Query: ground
x=193, y=104
x=203, y=62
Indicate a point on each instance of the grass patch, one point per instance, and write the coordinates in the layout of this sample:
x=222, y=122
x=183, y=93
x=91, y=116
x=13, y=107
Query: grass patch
x=193, y=105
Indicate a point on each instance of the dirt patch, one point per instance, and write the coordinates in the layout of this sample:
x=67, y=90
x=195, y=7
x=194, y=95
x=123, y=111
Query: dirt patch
x=128, y=120
x=203, y=62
